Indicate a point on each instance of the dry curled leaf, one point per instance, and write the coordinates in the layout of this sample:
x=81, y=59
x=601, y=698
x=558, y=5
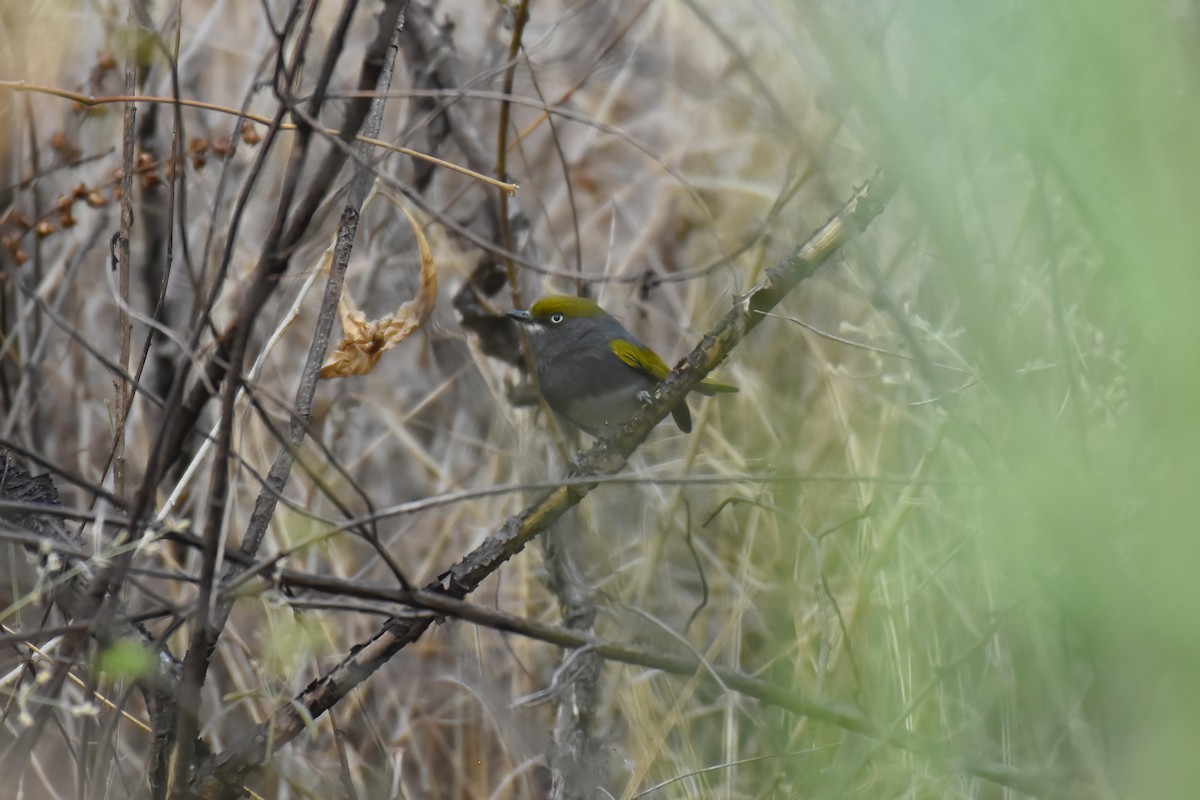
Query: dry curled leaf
x=364, y=342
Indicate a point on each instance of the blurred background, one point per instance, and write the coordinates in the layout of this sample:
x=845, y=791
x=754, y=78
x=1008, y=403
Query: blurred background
x=957, y=491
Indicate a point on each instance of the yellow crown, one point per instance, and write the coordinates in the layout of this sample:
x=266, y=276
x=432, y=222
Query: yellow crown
x=566, y=305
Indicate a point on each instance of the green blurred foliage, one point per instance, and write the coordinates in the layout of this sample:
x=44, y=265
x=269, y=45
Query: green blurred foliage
x=1051, y=154
x=127, y=659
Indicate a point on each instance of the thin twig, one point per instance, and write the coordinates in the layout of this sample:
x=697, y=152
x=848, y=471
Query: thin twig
x=89, y=101
x=207, y=623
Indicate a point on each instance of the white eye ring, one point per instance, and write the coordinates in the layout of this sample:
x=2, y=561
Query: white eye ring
x=556, y=319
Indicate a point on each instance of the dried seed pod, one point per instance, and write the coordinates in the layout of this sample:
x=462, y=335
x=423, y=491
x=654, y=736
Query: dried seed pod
x=250, y=134
x=172, y=167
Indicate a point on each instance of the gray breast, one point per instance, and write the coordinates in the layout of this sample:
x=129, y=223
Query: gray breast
x=581, y=385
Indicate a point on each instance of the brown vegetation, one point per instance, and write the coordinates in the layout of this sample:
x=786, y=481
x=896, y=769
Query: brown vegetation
x=883, y=569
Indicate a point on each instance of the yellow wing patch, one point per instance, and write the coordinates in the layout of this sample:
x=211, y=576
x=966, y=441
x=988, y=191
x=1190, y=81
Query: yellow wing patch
x=648, y=361
x=642, y=358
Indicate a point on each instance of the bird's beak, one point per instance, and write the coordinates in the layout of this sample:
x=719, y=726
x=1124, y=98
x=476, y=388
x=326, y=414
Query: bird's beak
x=520, y=315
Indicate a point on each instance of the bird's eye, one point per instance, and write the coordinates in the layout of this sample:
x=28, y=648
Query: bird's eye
x=556, y=319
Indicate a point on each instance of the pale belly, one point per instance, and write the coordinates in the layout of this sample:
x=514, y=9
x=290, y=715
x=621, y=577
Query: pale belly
x=595, y=413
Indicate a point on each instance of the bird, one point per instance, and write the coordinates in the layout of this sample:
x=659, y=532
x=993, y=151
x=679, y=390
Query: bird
x=593, y=371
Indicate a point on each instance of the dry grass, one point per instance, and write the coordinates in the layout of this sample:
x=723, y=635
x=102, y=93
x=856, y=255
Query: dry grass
x=949, y=495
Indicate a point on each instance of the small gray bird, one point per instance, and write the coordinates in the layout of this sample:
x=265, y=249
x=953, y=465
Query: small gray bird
x=591, y=370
